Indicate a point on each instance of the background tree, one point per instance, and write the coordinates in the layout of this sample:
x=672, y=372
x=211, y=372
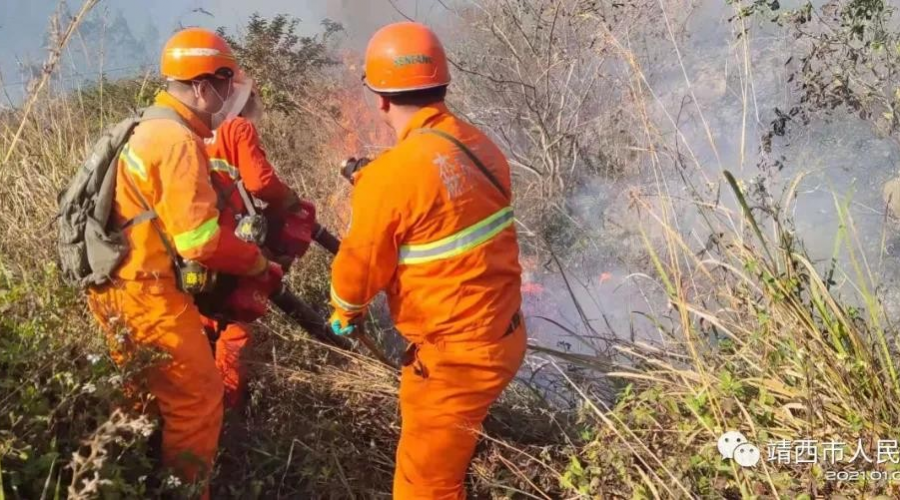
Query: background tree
x=284, y=63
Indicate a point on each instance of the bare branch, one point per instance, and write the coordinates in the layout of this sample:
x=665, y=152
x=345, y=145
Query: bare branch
x=48, y=69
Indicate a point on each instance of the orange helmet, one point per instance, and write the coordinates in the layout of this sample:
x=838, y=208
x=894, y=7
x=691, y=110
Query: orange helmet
x=406, y=56
x=195, y=52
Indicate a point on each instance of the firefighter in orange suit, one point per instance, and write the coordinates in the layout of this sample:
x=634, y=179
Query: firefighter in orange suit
x=236, y=155
x=432, y=225
x=164, y=170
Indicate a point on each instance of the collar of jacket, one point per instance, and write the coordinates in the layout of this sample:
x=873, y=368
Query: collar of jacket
x=422, y=118
x=187, y=114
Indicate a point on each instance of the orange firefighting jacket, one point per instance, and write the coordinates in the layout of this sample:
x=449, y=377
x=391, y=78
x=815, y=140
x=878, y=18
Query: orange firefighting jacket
x=432, y=231
x=167, y=163
x=236, y=153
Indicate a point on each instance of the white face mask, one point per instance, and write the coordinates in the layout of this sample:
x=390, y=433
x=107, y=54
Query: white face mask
x=219, y=117
x=231, y=105
x=216, y=116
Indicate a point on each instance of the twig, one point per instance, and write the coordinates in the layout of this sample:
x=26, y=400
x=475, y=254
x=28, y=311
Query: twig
x=287, y=466
x=49, y=68
x=344, y=481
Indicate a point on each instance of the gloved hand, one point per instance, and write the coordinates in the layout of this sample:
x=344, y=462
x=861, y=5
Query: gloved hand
x=270, y=279
x=250, y=299
x=293, y=238
x=341, y=328
x=350, y=168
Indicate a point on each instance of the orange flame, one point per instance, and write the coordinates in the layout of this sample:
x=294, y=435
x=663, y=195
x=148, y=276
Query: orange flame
x=360, y=132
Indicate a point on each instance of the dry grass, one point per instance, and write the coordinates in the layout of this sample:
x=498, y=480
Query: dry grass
x=757, y=338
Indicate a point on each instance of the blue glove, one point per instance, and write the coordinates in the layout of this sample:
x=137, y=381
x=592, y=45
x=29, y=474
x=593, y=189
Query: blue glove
x=341, y=331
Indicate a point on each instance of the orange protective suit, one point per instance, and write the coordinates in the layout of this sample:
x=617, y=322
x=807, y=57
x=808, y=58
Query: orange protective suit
x=236, y=154
x=433, y=232
x=232, y=341
x=143, y=306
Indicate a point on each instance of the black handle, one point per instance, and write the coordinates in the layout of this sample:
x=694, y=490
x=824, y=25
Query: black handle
x=351, y=166
x=304, y=315
x=326, y=240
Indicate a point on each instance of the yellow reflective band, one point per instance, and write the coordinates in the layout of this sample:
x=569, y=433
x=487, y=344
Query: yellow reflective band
x=133, y=162
x=220, y=165
x=198, y=236
x=459, y=243
x=343, y=304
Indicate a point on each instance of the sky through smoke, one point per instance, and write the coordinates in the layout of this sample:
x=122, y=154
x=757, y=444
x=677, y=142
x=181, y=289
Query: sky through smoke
x=130, y=34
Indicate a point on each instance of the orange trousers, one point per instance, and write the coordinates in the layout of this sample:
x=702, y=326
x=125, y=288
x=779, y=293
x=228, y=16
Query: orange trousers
x=231, y=344
x=445, y=394
x=187, y=386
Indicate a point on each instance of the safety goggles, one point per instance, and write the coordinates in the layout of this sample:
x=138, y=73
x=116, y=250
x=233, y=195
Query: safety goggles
x=223, y=73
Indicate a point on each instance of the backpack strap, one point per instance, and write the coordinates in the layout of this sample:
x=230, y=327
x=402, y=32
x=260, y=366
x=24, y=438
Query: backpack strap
x=161, y=113
x=151, y=113
x=456, y=142
x=149, y=215
x=248, y=202
x=223, y=193
x=140, y=218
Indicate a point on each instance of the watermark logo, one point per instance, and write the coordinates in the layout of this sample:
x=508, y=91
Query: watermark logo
x=746, y=455
x=879, y=460
x=734, y=445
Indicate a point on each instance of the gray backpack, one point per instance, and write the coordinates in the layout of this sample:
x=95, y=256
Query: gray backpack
x=89, y=248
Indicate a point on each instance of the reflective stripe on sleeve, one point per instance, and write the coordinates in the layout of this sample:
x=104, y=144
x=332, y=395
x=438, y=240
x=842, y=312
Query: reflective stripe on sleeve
x=198, y=236
x=220, y=165
x=133, y=162
x=343, y=304
x=459, y=243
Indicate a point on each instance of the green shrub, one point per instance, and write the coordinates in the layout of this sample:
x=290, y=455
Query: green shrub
x=59, y=396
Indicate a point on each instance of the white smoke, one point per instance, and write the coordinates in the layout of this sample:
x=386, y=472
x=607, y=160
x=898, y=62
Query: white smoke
x=703, y=98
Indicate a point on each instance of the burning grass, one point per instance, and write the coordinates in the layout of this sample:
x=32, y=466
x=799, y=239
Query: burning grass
x=758, y=340
x=758, y=337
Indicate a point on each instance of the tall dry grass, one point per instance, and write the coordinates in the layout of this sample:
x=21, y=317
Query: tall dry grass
x=756, y=336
